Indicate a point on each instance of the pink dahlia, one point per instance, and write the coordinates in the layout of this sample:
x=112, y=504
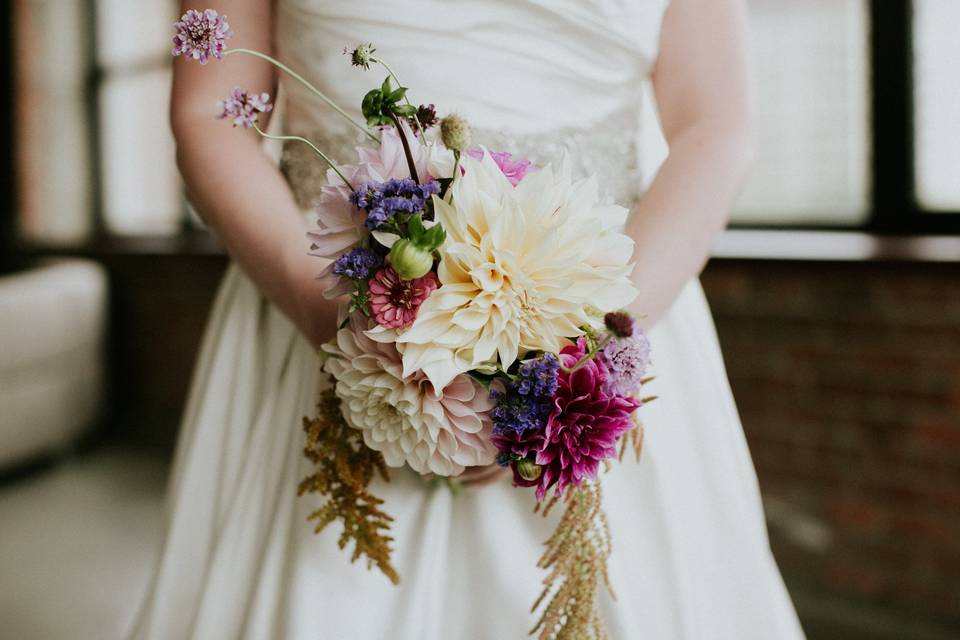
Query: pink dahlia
x=201, y=35
x=407, y=419
x=395, y=302
x=513, y=168
x=583, y=427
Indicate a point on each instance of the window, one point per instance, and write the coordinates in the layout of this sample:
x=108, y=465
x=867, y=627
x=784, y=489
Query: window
x=937, y=99
x=812, y=113
x=140, y=187
x=95, y=153
x=858, y=117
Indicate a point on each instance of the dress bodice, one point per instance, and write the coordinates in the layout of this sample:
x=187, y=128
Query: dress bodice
x=533, y=77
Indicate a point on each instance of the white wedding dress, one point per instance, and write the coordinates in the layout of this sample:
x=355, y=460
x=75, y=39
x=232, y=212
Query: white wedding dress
x=690, y=559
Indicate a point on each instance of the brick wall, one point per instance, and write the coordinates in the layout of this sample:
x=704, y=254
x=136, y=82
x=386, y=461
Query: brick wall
x=847, y=377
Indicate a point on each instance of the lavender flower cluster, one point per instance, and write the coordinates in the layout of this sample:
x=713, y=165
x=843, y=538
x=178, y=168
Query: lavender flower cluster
x=358, y=263
x=526, y=403
x=383, y=200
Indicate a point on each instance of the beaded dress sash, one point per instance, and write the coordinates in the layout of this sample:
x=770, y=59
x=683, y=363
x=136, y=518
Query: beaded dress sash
x=607, y=149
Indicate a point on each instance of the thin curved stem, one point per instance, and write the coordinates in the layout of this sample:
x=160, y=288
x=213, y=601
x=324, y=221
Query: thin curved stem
x=416, y=120
x=311, y=145
x=296, y=76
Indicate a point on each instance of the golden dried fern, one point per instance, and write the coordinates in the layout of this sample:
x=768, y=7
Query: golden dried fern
x=345, y=466
x=576, y=557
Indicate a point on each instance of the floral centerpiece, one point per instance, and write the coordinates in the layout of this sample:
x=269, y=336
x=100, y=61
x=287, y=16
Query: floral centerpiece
x=482, y=323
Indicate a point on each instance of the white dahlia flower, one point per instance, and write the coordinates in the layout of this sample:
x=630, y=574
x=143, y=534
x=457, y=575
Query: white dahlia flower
x=406, y=418
x=519, y=269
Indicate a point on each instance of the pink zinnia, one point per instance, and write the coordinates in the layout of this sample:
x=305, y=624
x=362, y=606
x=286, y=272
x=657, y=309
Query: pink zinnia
x=583, y=427
x=513, y=168
x=395, y=302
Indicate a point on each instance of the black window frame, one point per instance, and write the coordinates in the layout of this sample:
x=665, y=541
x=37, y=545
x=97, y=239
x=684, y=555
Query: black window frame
x=893, y=206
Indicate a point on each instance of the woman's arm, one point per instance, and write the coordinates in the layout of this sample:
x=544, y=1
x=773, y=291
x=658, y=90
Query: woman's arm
x=701, y=86
x=236, y=188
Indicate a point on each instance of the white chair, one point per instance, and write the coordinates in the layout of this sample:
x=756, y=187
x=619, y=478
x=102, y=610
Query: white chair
x=52, y=325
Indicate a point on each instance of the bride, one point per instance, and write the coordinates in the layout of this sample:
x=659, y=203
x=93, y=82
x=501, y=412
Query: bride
x=690, y=557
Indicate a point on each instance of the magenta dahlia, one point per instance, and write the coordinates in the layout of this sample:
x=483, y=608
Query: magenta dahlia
x=395, y=302
x=514, y=168
x=583, y=427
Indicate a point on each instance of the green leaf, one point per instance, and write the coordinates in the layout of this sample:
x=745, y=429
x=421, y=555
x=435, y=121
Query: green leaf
x=416, y=230
x=397, y=95
x=404, y=110
x=485, y=379
x=385, y=88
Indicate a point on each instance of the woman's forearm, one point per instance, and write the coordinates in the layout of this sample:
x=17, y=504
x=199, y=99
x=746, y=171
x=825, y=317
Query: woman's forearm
x=242, y=195
x=677, y=220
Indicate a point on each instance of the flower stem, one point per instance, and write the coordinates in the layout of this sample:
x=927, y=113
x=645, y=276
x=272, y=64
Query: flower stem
x=406, y=148
x=296, y=76
x=312, y=146
x=587, y=356
x=416, y=120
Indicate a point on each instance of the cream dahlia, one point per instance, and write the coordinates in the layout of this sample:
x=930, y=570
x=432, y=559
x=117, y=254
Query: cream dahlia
x=518, y=270
x=407, y=418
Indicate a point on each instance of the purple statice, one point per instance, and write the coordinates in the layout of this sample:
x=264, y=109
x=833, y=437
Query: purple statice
x=243, y=107
x=383, y=200
x=358, y=263
x=201, y=35
x=626, y=359
x=524, y=404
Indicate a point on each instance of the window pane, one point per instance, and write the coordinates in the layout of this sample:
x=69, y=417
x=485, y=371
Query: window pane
x=811, y=73
x=936, y=53
x=141, y=187
x=133, y=33
x=53, y=156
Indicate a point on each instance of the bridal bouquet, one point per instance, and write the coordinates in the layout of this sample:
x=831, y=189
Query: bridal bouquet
x=482, y=323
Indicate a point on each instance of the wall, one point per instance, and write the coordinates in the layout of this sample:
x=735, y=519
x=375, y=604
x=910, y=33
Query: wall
x=847, y=377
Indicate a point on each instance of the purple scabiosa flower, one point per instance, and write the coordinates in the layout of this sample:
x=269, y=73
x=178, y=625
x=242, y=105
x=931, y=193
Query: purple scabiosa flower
x=584, y=424
x=524, y=405
x=243, y=107
x=201, y=35
x=358, y=263
x=626, y=360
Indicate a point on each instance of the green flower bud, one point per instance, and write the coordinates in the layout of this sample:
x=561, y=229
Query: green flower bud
x=528, y=469
x=455, y=133
x=409, y=260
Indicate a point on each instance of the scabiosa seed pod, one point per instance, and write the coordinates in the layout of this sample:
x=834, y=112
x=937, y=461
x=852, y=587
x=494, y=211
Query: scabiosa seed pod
x=455, y=133
x=361, y=56
x=409, y=260
x=619, y=323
